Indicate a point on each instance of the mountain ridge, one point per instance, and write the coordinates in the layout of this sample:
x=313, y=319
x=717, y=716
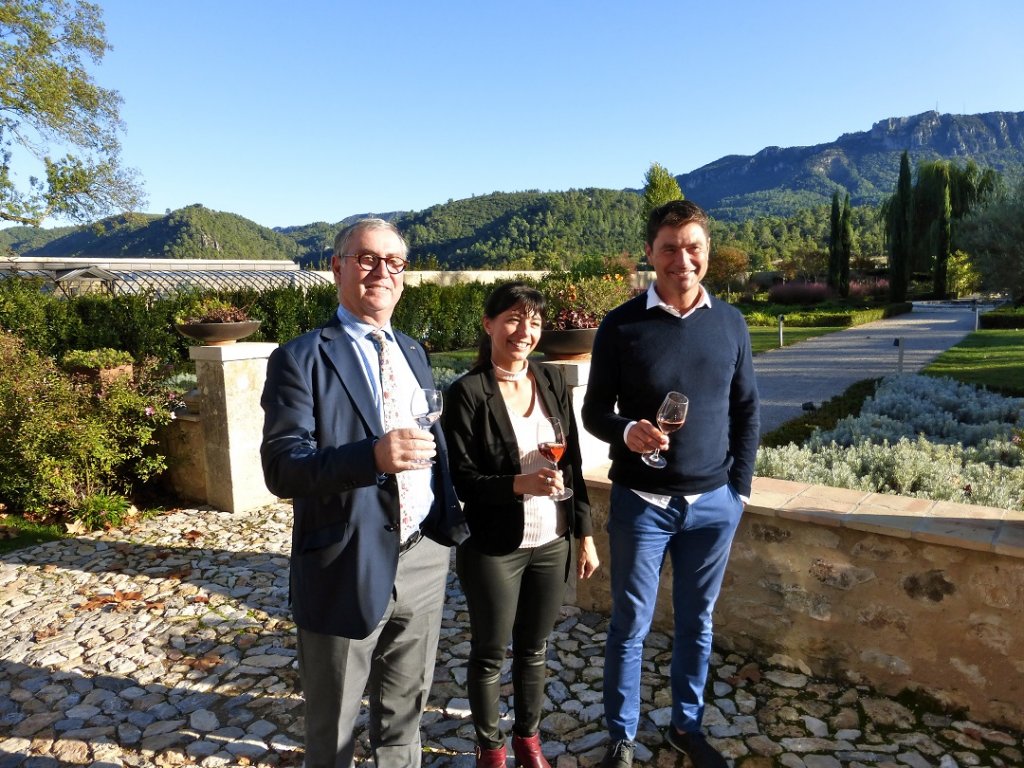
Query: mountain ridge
x=861, y=163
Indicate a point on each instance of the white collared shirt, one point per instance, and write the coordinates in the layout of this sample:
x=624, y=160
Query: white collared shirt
x=359, y=333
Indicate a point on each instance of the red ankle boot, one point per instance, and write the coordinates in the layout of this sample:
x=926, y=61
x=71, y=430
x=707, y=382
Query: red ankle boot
x=490, y=758
x=527, y=752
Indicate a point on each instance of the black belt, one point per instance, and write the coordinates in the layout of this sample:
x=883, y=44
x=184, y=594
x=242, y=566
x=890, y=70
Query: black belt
x=409, y=543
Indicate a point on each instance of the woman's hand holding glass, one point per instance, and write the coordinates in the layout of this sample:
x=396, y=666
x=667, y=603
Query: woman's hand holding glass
x=551, y=444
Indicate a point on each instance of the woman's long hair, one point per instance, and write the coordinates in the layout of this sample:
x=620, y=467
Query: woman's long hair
x=501, y=299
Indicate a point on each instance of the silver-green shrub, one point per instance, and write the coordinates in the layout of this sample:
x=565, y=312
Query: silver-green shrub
x=917, y=436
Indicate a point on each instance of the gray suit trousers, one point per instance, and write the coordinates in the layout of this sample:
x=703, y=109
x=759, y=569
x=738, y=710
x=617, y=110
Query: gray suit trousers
x=394, y=666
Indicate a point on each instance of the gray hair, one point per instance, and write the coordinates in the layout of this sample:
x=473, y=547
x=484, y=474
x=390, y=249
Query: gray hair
x=342, y=240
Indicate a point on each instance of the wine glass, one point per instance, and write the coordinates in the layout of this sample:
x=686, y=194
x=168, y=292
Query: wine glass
x=671, y=416
x=426, y=408
x=551, y=445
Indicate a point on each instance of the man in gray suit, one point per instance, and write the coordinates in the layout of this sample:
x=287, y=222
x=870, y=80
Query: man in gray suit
x=373, y=521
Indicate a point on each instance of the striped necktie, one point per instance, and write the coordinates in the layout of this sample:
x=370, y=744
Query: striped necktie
x=392, y=420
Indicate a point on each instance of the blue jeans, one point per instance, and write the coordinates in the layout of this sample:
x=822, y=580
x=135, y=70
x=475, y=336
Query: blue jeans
x=697, y=537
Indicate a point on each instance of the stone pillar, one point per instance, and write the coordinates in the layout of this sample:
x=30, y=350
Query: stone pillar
x=230, y=381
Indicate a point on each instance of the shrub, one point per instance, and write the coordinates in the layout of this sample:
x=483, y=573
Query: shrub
x=799, y=293
x=917, y=436
x=442, y=317
x=875, y=290
x=105, y=357
x=1005, y=318
x=64, y=441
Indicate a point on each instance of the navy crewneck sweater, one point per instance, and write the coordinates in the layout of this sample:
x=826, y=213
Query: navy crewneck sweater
x=641, y=354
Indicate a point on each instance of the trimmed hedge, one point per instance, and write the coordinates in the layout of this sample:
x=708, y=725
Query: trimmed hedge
x=1012, y=318
x=827, y=318
x=442, y=317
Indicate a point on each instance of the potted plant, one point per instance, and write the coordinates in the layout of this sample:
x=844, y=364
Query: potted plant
x=214, y=321
x=576, y=306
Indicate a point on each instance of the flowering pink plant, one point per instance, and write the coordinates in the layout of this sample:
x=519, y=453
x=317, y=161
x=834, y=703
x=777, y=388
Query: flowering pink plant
x=582, y=302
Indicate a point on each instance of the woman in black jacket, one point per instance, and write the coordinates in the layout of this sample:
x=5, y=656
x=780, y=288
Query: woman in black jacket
x=515, y=565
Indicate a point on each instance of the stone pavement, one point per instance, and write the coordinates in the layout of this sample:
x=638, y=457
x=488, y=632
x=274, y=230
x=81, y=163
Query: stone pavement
x=821, y=368
x=170, y=643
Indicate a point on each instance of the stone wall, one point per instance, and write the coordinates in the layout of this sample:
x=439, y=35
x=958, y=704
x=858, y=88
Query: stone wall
x=897, y=593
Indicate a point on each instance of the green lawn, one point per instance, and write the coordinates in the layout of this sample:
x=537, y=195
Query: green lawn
x=762, y=339
x=991, y=358
x=17, y=532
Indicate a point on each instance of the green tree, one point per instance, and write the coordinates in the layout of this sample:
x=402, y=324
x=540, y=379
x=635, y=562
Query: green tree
x=994, y=235
x=49, y=102
x=943, y=194
x=963, y=276
x=896, y=212
x=832, y=278
x=727, y=268
x=845, y=247
x=660, y=187
x=945, y=239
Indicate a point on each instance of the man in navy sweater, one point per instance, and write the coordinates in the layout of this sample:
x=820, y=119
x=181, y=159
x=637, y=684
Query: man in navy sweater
x=677, y=337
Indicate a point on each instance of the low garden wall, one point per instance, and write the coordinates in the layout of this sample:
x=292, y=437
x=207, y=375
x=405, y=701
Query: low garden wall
x=898, y=593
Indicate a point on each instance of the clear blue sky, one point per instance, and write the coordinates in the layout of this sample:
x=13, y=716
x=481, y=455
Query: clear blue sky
x=312, y=111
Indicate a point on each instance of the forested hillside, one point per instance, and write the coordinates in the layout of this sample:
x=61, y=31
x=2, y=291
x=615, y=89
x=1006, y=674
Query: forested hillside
x=193, y=232
x=524, y=230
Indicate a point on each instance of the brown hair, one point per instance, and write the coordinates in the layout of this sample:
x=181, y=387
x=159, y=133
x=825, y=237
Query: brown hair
x=676, y=213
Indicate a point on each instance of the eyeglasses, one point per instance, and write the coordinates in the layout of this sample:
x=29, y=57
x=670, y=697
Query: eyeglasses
x=368, y=262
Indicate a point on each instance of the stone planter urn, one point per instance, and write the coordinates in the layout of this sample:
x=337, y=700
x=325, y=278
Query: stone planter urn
x=217, y=334
x=570, y=344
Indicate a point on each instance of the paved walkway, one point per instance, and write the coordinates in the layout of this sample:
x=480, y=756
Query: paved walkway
x=170, y=643
x=821, y=368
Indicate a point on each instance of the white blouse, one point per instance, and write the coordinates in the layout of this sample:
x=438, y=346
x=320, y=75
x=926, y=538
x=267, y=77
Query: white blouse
x=544, y=520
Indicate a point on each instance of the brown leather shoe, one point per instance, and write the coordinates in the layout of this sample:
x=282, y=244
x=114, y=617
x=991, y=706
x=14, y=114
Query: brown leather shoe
x=527, y=752
x=490, y=758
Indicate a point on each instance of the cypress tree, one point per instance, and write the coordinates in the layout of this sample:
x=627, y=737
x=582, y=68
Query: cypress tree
x=898, y=219
x=833, y=244
x=846, y=248
x=944, y=238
